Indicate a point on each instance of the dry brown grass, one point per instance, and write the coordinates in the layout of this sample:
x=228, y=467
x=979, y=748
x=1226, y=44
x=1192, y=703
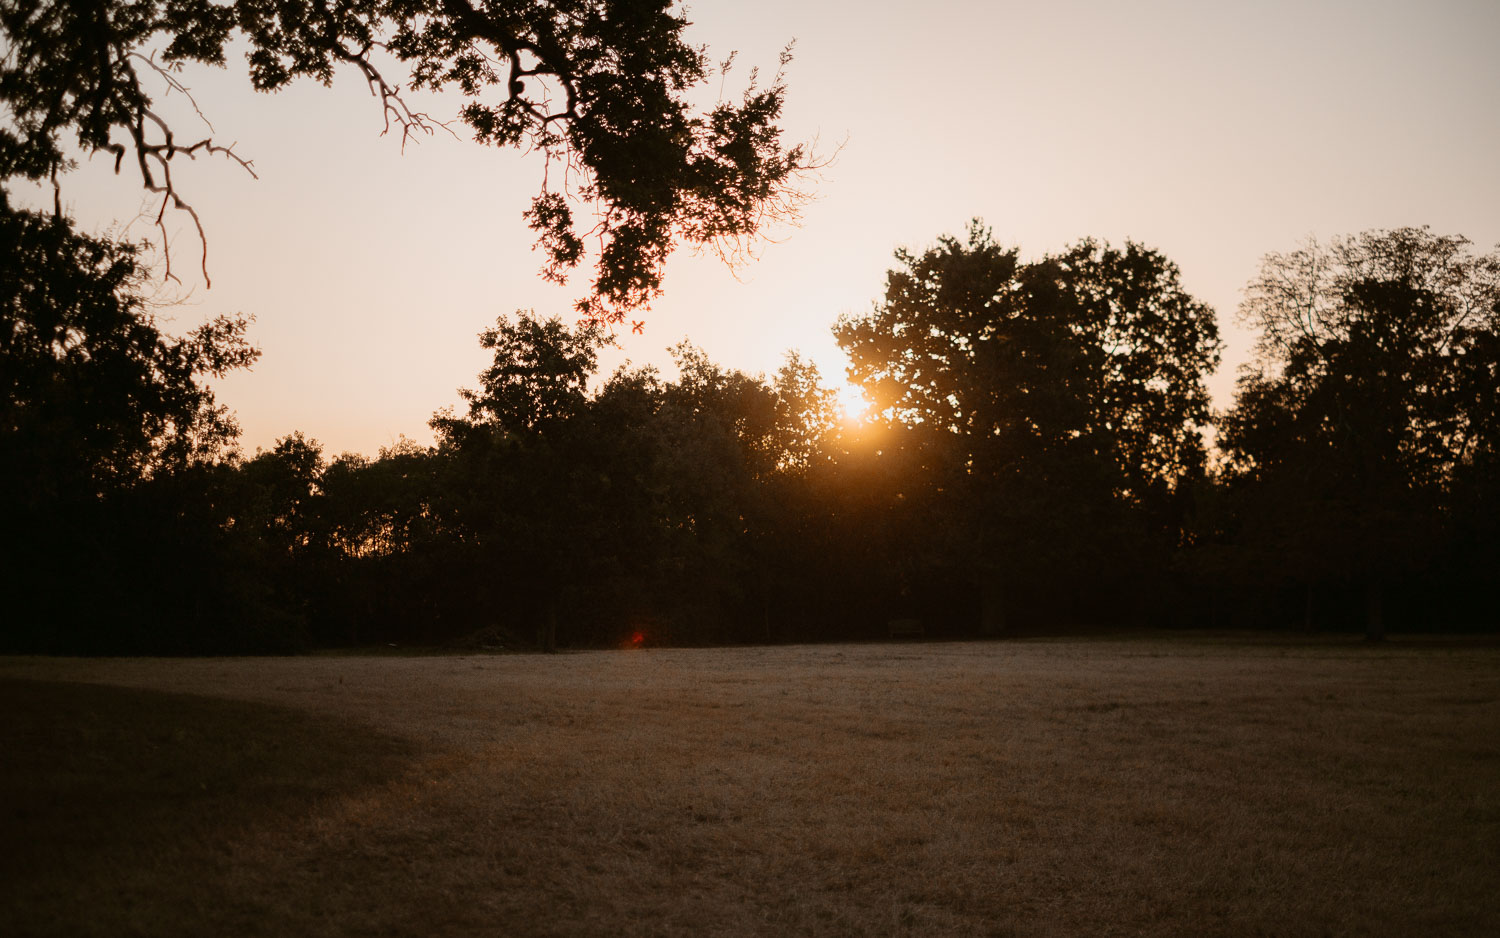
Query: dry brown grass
x=1192, y=785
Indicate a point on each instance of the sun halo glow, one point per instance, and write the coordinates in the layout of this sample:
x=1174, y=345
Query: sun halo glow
x=853, y=405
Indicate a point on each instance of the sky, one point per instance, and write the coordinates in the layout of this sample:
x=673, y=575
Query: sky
x=1213, y=132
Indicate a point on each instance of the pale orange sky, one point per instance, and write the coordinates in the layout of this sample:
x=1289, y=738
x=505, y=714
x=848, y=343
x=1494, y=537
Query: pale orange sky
x=1213, y=132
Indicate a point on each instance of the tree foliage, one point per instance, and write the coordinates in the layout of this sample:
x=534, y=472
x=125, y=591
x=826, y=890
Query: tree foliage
x=1094, y=352
x=93, y=396
x=1375, y=359
x=1040, y=461
x=537, y=377
x=110, y=443
x=604, y=88
x=1368, y=422
x=1056, y=405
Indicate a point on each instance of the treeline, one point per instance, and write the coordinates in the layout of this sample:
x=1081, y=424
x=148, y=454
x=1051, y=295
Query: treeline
x=1041, y=459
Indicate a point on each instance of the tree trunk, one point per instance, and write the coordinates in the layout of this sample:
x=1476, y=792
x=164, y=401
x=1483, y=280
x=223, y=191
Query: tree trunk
x=1374, y=612
x=549, y=630
x=1307, y=608
x=991, y=606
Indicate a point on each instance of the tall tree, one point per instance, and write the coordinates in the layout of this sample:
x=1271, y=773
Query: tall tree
x=537, y=378
x=395, y=573
x=1070, y=388
x=93, y=396
x=286, y=483
x=1370, y=402
x=102, y=415
x=516, y=491
x=807, y=415
x=602, y=88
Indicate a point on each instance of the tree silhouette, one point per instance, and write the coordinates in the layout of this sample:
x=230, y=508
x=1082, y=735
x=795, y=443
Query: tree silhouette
x=537, y=378
x=107, y=433
x=390, y=571
x=601, y=88
x=1369, y=407
x=1061, y=393
x=93, y=396
x=516, y=489
x=807, y=415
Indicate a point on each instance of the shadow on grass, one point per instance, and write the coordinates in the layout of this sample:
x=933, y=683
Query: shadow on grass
x=120, y=807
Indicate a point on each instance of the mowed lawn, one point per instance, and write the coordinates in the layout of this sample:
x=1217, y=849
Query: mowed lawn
x=1181, y=785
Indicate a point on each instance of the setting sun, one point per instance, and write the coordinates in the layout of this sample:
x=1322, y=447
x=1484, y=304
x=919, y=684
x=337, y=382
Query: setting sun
x=853, y=405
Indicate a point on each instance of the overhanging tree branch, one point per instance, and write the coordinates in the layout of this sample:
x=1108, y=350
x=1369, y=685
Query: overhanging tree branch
x=656, y=171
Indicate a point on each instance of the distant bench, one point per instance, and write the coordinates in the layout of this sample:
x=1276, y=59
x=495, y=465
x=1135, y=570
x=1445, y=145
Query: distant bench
x=905, y=628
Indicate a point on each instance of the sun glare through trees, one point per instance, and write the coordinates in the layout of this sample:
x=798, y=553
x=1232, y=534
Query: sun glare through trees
x=1039, y=458
x=853, y=404
x=1029, y=618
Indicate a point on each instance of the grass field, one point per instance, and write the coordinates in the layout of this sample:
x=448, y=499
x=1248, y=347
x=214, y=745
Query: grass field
x=1184, y=785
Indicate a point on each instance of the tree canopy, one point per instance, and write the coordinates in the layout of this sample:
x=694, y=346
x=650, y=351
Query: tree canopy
x=1039, y=461
x=1371, y=416
x=1376, y=350
x=1095, y=350
x=109, y=439
x=602, y=88
x=92, y=395
x=1048, y=397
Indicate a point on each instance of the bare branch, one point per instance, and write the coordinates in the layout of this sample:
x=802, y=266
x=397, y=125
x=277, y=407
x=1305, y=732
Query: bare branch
x=161, y=154
x=173, y=84
x=393, y=105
